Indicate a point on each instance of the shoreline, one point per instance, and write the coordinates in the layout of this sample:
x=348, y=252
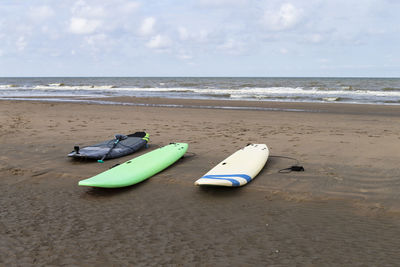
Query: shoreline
x=334, y=107
x=342, y=207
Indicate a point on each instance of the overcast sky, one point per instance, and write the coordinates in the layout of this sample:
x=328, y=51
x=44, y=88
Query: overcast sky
x=200, y=38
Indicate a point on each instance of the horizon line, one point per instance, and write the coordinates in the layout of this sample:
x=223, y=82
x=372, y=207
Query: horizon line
x=331, y=77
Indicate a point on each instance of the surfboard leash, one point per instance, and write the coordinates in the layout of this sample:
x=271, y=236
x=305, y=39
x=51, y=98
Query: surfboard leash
x=294, y=168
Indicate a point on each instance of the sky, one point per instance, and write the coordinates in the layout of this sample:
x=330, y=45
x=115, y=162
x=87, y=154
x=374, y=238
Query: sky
x=264, y=38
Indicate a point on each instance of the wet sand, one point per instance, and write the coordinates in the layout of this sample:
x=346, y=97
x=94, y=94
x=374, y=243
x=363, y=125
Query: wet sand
x=342, y=211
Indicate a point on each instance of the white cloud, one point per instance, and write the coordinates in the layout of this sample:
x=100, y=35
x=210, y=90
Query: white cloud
x=128, y=7
x=101, y=42
x=203, y=35
x=285, y=18
x=93, y=16
x=323, y=60
x=82, y=9
x=147, y=26
x=315, y=38
x=21, y=43
x=159, y=42
x=41, y=13
x=194, y=35
x=83, y=26
x=283, y=51
x=185, y=55
x=183, y=33
x=231, y=46
x=222, y=3
x=96, y=39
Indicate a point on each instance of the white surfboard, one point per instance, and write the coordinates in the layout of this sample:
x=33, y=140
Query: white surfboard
x=239, y=168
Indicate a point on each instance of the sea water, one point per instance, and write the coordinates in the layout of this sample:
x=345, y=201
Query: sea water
x=342, y=90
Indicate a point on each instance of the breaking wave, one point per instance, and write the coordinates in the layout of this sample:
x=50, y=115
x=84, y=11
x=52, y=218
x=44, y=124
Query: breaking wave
x=351, y=90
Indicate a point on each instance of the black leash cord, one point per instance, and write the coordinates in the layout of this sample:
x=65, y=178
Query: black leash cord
x=294, y=168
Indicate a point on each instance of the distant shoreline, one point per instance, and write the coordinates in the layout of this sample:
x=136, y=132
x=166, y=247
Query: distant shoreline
x=337, y=108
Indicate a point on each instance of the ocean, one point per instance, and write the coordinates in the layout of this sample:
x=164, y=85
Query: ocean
x=382, y=91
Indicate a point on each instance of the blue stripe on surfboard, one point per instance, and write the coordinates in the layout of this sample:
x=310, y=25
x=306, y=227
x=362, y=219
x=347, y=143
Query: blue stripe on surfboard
x=245, y=176
x=229, y=177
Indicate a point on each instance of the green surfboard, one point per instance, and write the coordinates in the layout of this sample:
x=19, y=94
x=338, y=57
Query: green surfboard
x=138, y=169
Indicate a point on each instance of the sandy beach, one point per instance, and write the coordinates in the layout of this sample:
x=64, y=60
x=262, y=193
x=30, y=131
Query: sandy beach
x=343, y=210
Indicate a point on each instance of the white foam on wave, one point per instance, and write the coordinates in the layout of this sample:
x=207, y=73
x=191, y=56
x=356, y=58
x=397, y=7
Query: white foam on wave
x=252, y=90
x=299, y=91
x=246, y=93
x=56, y=84
x=61, y=86
x=8, y=86
x=156, y=89
x=331, y=99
